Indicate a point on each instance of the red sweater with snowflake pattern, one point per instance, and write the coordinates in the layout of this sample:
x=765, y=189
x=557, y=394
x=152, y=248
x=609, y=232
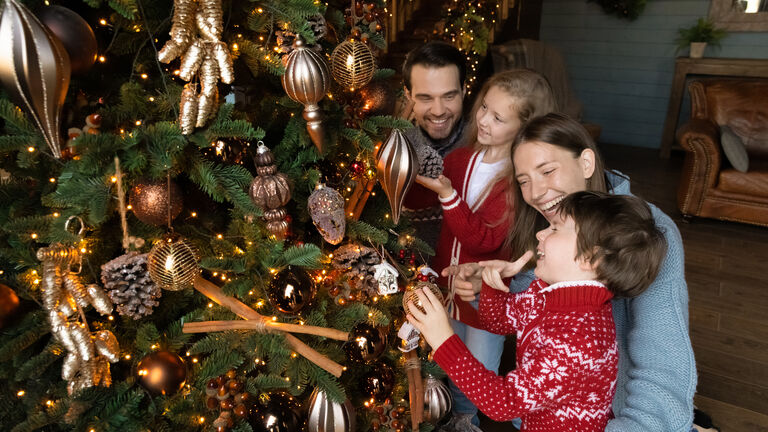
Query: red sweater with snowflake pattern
x=567, y=357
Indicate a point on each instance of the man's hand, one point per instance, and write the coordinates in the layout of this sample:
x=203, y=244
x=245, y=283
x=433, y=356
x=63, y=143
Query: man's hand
x=441, y=185
x=496, y=270
x=467, y=280
x=434, y=324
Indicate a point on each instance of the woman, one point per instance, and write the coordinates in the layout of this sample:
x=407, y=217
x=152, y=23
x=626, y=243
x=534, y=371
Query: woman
x=553, y=156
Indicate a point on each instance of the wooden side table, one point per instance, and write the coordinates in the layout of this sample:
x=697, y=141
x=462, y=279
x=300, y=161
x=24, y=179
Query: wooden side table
x=685, y=66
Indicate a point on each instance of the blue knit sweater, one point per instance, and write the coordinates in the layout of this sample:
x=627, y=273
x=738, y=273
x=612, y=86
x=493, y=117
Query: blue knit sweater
x=657, y=371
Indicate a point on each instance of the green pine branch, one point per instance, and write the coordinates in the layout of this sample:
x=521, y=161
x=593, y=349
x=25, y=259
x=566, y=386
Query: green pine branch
x=307, y=255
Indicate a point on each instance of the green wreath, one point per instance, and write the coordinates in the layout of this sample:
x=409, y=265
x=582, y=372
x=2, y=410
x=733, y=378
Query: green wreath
x=627, y=9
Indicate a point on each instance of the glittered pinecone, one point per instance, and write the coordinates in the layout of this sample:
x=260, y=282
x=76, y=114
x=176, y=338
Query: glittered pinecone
x=430, y=162
x=357, y=264
x=128, y=284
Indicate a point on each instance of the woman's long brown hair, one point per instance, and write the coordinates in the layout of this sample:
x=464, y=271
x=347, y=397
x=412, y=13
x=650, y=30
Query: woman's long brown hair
x=560, y=131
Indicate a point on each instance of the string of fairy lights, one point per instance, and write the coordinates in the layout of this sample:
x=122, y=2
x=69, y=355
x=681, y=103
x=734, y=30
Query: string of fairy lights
x=469, y=27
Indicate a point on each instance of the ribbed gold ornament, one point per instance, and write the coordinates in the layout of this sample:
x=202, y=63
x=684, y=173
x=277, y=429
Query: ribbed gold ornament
x=306, y=80
x=397, y=166
x=173, y=263
x=437, y=400
x=352, y=64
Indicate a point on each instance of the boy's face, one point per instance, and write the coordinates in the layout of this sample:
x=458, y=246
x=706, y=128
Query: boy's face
x=557, y=250
x=438, y=98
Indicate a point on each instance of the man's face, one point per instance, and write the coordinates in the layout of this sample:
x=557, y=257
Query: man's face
x=438, y=99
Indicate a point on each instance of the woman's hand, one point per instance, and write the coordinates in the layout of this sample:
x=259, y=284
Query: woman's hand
x=434, y=323
x=440, y=185
x=496, y=270
x=467, y=280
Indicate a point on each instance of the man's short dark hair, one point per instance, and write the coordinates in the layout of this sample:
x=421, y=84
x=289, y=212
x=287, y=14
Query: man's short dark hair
x=434, y=54
x=619, y=235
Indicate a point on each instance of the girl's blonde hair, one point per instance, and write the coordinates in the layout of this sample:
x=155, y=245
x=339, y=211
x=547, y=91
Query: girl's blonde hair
x=532, y=97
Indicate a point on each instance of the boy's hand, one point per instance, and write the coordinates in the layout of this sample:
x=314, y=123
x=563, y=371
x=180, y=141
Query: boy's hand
x=496, y=270
x=434, y=324
x=441, y=185
x=467, y=280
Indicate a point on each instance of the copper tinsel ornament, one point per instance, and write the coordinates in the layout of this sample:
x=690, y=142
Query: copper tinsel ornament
x=162, y=372
x=325, y=415
x=326, y=207
x=306, y=80
x=437, y=400
x=35, y=70
x=150, y=201
x=9, y=304
x=277, y=411
x=410, y=295
x=366, y=343
x=378, y=98
x=379, y=382
x=173, y=263
x=291, y=290
x=397, y=166
x=352, y=64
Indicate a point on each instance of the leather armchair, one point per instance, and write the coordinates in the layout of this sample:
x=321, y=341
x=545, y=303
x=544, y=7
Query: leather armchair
x=709, y=186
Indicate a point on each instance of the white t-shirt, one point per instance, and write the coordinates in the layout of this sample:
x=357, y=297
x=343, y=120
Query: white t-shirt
x=479, y=179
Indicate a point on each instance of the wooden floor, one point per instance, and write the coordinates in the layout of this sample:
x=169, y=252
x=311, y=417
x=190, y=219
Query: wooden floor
x=727, y=273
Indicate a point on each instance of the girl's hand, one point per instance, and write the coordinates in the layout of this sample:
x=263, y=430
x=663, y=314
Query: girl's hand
x=496, y=270
x=434, y=324
x=441, y=185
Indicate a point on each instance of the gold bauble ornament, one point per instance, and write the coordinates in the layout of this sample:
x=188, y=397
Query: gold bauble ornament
x=9, y=305
x=397, y=166
x=162, y=372
x=410, y=295
x=173, y=263
x=150, y=200
x=306, y=80
x=352, y=64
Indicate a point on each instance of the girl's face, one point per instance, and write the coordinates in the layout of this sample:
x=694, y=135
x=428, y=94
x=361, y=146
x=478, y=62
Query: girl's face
x=497, y=118
x=557, y=250
x=547, y=173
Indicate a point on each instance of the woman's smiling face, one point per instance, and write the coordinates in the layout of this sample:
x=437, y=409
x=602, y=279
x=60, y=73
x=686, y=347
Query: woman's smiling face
x=547, y=173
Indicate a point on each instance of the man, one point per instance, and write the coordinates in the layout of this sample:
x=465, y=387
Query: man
x=434, y=78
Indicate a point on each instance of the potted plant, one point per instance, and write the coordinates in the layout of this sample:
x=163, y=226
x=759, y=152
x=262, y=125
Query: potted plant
x=698, y=36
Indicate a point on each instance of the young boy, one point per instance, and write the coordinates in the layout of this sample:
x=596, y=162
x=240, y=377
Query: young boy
x=601, y=246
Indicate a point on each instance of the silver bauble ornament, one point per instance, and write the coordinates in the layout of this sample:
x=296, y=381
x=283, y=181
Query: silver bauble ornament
x=437, y=400
x=325, y=415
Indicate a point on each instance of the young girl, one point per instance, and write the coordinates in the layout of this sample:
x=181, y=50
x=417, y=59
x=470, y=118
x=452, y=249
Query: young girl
x=477, y=211
x=597, y=246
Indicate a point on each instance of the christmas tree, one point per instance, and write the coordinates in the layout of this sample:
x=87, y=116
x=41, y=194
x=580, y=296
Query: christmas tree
x=204, y=248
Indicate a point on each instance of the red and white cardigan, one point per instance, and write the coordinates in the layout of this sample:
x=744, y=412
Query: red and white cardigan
x=567, y=357
x=470, y=234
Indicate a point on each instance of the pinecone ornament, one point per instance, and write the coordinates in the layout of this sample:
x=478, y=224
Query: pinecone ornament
x=357, y=262
x=128, y=284
x=430, y=162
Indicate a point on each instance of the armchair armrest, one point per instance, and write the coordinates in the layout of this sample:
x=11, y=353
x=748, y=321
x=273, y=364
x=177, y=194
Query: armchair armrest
x=700, y=138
